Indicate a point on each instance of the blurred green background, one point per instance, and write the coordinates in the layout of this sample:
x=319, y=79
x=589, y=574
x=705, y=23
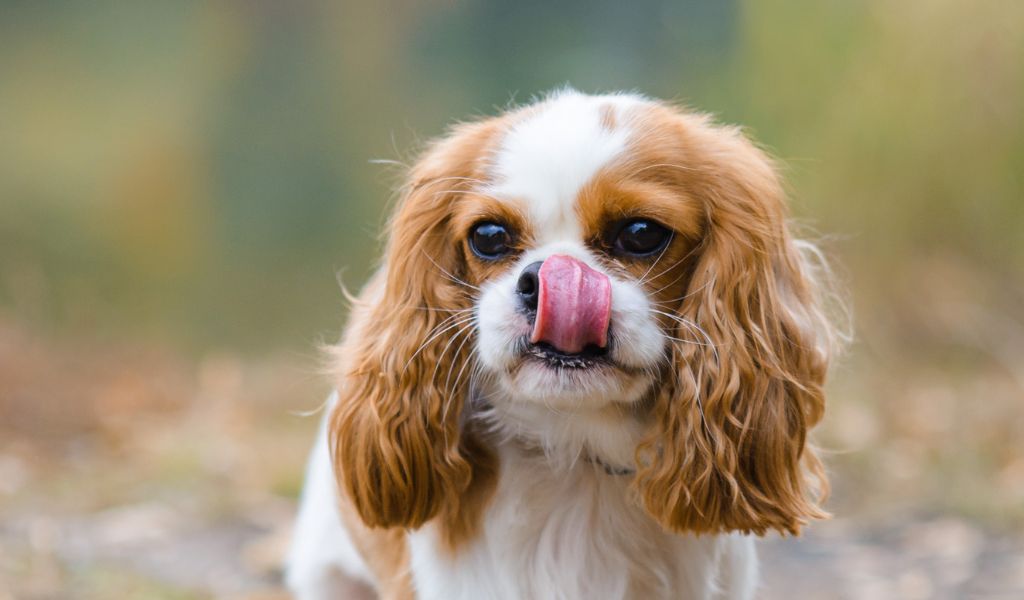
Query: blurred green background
x=182, y=183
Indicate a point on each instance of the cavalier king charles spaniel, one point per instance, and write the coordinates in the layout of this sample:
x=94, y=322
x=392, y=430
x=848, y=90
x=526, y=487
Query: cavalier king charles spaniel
x=586, y=368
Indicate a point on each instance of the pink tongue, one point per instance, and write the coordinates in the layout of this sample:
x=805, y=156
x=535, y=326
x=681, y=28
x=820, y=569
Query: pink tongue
x=573, y=307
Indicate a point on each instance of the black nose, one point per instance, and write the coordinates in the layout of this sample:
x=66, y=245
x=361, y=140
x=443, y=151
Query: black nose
x=528, y=286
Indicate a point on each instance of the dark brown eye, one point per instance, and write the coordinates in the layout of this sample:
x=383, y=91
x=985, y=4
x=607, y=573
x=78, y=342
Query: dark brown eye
x=490, y=241
x=641, y=237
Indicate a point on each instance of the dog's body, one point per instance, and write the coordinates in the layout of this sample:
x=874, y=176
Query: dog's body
x=548, y=533
x=586, y=369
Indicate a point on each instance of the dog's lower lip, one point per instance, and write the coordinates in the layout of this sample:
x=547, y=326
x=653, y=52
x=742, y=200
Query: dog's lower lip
x=590, y=357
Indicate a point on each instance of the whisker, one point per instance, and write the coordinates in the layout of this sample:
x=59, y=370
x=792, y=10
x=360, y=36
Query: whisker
x=684, y=296
x=672, y=266
x=449, y=310
x=455, y=384
x=476, y=191
x=692, y=327
x=448, y=398
x=667, y=285
x=464, y=326
x=388, y=161
x=456, y=178
x=681, y=340
x=452, y=366
x=458, y=377
x=459, y=321
x=660, y=255
x=450, y=276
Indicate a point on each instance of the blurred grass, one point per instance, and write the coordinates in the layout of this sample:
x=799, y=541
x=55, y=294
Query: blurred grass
x=180, y=184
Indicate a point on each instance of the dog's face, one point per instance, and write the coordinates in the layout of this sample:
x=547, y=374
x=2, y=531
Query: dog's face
x=577, y=247
x=579, y=253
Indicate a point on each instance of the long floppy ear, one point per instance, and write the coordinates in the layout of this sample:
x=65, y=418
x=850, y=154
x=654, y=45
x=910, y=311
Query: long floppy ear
x=398, y=450
x=729, y=451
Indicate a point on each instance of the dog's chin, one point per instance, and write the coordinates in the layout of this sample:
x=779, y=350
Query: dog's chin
x=589, y=379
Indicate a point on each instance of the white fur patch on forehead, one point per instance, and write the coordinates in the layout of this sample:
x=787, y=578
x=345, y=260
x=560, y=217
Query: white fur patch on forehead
x=545, y=159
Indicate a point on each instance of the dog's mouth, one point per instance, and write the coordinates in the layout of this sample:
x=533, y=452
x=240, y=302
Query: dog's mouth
x=590, y=357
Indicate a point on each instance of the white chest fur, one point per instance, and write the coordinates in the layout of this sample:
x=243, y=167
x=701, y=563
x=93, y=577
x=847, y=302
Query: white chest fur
x=575, y=533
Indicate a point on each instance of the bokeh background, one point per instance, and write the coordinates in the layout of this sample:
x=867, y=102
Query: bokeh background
x=183, y=183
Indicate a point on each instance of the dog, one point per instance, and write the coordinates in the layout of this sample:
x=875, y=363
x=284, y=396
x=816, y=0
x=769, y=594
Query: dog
x=586, y=368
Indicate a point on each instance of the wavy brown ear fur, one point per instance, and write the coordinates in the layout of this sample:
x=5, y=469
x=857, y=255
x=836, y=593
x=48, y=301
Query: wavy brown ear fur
x=731, y=452
x=398, y=450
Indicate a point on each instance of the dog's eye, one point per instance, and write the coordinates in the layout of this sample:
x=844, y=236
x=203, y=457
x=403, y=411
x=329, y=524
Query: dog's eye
x=490, y=240
x=641, y=237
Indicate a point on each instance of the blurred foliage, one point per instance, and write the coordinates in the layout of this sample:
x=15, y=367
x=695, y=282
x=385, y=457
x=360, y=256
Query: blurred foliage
x=184, y=180
x=201, y=170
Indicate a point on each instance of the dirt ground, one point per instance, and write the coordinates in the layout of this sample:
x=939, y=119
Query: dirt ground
x=151, y=550
x=136, y=474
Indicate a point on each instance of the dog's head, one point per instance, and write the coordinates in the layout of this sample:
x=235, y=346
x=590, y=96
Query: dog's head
x=591, y=253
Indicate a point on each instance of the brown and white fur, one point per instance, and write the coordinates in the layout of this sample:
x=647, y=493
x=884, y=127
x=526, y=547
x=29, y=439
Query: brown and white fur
x=454, y=464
